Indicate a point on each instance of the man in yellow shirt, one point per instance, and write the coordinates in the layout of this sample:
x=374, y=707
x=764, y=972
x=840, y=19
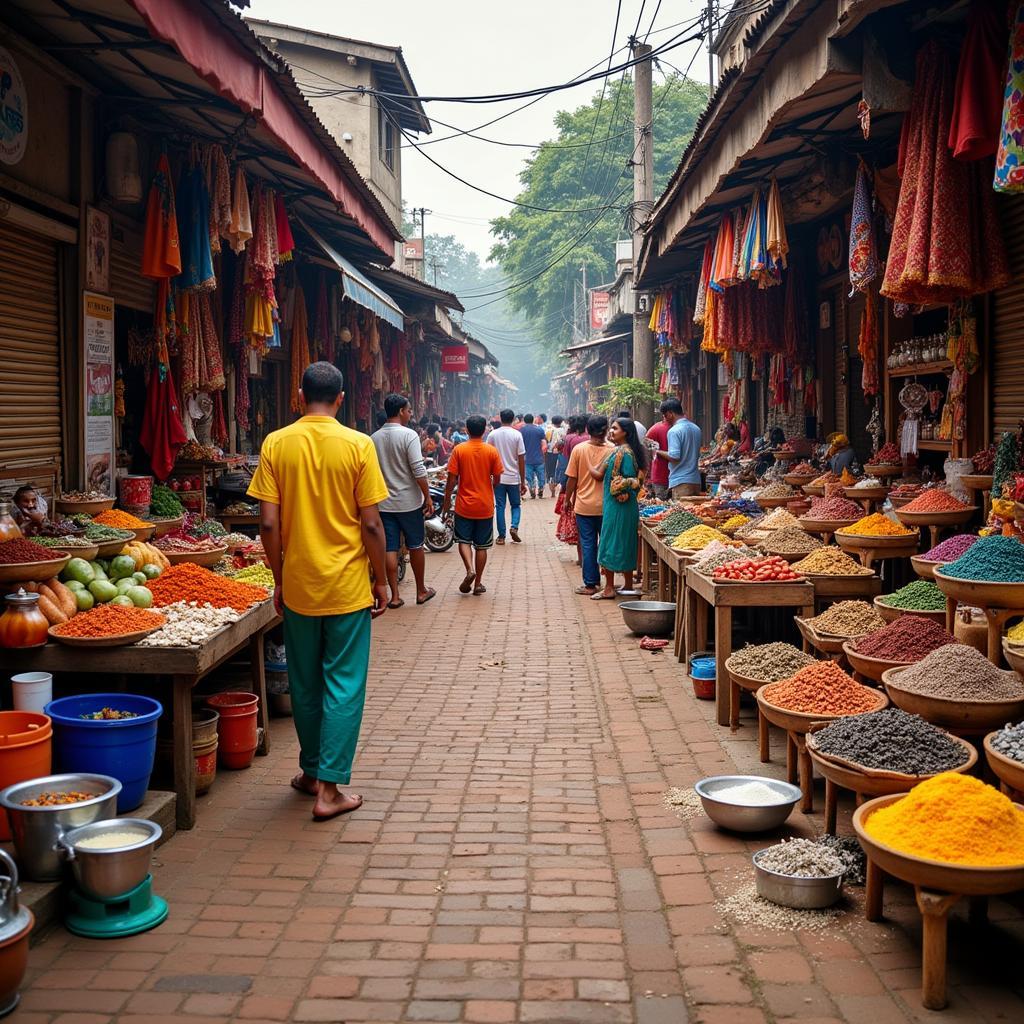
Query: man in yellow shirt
x=318, y=485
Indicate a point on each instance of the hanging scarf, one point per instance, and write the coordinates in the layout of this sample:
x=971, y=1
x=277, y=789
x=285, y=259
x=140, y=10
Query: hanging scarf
x=867, y=344
x=218, y=181
x=194, y=224
x=1009, y=174
x=285, y=241
x=777, y=242
x=621, y=487
x=240, y=225
x=863, y=252
x=706, y=265
x=211, y=365
x=161, y=251
x=300, y=349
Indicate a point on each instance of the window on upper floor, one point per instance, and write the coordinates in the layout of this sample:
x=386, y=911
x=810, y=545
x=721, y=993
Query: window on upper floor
x=387, y=138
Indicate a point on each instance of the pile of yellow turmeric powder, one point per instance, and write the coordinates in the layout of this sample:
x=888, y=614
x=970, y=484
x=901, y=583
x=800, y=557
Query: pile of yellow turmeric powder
x=953, y=818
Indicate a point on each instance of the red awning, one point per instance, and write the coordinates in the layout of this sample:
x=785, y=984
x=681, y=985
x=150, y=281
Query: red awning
x=239, y=76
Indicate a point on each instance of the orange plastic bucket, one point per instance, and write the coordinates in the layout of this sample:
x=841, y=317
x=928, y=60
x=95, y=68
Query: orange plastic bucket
x=26, y=752
x=236, y=728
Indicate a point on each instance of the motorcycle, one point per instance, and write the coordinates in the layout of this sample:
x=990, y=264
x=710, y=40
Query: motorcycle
x=440, y=532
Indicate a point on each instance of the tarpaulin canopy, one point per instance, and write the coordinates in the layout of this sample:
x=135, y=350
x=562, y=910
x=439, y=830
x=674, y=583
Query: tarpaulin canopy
x=358, y=287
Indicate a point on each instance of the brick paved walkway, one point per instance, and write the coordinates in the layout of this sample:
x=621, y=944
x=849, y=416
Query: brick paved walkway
x=514, y=860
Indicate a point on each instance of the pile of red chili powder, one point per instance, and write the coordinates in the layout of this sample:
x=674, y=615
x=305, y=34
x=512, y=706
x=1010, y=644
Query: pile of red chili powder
x=908, y=639
x=822, y=688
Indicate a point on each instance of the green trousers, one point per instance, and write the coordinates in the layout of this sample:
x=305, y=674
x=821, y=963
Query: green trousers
x=328, y=658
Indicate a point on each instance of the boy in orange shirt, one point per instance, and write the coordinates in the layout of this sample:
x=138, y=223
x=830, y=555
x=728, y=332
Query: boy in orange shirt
x=477, y=468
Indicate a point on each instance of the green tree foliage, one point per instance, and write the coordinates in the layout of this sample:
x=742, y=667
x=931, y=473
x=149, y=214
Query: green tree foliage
x=567, y=174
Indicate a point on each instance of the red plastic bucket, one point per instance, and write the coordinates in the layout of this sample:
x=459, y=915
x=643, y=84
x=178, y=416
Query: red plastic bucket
x=136, y=491
x=236, y=728
x=703, y=689
x=26, y=743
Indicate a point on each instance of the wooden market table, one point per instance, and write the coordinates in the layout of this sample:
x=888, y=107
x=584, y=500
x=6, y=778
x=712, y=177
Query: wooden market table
x=721, y=598
x=232, y=523
x=184, y=666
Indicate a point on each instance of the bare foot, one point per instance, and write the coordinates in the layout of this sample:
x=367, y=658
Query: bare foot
x=326, y=808
x=305, y=784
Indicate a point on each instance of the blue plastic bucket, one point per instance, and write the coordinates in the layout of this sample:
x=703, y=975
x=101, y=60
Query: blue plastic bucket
x=124, y=748
x=702, y=668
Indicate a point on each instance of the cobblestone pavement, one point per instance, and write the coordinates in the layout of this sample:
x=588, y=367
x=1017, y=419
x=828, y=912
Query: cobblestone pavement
x=514, y=861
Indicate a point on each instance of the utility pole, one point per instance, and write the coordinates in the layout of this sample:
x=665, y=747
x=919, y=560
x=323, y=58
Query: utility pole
x=643, y=196
x=422, y=211
x=710, y=15
x=586, y=304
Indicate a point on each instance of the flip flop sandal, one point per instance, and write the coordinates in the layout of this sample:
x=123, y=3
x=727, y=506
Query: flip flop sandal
x=602, y=596
x=467, y=584
x=424, y=600
x=477, y=591
x=295, y=784
x=585, y=591
x=338, y=813
x=396, y=604
x=628, y=593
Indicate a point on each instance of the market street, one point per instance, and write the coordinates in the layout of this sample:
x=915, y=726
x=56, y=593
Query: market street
x=514, y=859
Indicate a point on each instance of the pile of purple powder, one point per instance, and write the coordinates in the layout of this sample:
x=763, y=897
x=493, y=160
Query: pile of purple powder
x=952, y=548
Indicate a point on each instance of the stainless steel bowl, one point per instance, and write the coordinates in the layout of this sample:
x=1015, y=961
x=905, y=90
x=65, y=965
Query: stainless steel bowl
x=107, y=874
x=649, y=618
x=37, y=830
x=745, y=817
x=794, y=891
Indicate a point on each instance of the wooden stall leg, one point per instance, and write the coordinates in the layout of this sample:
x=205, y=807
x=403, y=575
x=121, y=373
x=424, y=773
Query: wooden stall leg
x=791, y=776
x=806, y=776
x=723, y=648
x=681, y=598
x=259, y=687
x=995, y=638
x=934, y=907
x=874, y=890
x=763, y=740
x=831, y=806
x=690, y=629
x=950, y=613
x=184, y=762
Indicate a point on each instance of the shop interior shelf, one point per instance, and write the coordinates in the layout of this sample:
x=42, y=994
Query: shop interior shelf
x=942, y=366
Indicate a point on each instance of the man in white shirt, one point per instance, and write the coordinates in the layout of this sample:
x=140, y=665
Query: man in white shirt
x=512, y=450
x=641, y=430
x=401, y=462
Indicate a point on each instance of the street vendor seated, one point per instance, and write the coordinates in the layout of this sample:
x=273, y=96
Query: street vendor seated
x=726, y=438
x=29, y=510
x=840, y=454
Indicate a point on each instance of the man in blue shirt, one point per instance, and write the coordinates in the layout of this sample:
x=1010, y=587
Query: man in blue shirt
x=683, y=442
x=533, y=439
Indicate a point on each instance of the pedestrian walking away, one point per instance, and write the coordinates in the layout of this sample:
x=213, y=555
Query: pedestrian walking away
x=554, y=436
x=622, y=475
x=401, y=462
x=510, y=489
x=319, y=486
x=534, y=443
x=656, y=441
x=476, y=468
x=583, y=495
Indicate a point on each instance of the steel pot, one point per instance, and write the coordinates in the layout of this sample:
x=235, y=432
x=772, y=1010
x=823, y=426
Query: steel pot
x=37, y=830
x=106, y=874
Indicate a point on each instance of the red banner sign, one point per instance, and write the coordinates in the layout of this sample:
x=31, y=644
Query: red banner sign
x=599, y=309
x=455, y=359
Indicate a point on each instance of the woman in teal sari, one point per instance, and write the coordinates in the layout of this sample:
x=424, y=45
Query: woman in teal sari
x=623, y=473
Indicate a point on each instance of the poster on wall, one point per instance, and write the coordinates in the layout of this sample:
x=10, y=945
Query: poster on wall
x=97, y=250
x=599, y=310
x=99, y=392
x=13, y=110
x=455, y=358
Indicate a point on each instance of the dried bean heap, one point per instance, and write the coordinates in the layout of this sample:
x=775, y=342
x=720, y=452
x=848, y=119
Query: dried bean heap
x=960, y=672
x=919, y=596
x=893, y=741
x=822, y=688
x=775, y=490
x=768, y=662
x=790, y=541
x=801, y=858
x=952, y=548
x=827, y=510
x=992, y=559
x=846, y=619
x=1009, y=741
x=907, y=639
x=830, y=561
x=675, y=523
x=780, y=519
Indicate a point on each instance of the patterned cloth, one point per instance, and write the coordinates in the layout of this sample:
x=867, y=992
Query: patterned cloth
x=1009, y=175
x=946, y=242
x=161, y=252
x=863, y=253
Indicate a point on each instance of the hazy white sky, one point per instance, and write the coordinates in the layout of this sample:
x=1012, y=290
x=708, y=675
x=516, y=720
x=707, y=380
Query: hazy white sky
x=468, y=47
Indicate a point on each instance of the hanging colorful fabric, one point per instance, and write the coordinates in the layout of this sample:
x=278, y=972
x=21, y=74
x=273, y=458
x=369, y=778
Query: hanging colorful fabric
x=1009, y=175
x=702, y=284
x=863, y=253
x=300, y=349
x=777, y=242
x=867, y=344
x=161, y=251
x=240, y=226
x=218, y=180
x=285, y=241
x=196, y=260
x=980, y=79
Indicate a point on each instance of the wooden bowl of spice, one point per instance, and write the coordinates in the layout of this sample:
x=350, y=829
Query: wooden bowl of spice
x=817, y=693
x=819, y=641
x=952, y=518
x=1006, y=769
x=890, y=613
x=107, y=625
x=980, y=593
x=22, y=559
x=164, y=526
x=925, y=567
x=1014, y=654
x=961, y=877
x=869, y=668
x=814, y=490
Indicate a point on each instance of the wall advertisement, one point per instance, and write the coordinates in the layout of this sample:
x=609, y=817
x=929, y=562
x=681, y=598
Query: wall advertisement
x=98, y=323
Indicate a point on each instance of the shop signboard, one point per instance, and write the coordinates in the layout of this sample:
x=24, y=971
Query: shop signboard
x=13, y=110
x=599, y=302
x=98, y=321
x=455, y=358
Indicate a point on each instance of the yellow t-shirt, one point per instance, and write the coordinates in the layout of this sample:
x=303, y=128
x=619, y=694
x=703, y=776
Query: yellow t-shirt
x=321, y=473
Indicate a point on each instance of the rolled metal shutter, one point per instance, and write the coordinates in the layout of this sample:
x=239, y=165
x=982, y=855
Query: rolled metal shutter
x=30, y=392
x=127, y=285
x=1007, y=370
